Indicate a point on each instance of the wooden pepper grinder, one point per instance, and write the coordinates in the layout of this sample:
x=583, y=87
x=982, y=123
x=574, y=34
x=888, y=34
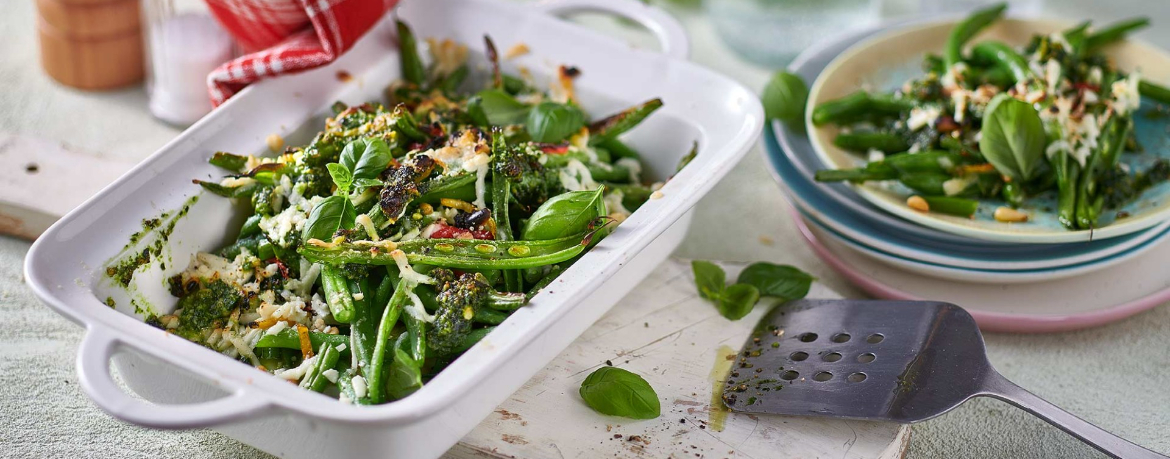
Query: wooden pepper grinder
x=91, y=44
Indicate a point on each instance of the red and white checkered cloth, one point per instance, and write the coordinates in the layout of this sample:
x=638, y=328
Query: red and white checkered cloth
x=287, y=36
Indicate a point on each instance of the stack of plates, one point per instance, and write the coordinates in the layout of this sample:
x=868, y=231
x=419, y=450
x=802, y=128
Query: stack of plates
x=1009, y=280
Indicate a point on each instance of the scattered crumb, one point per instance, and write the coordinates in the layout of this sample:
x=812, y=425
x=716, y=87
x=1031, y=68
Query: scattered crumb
x=608, y=428
x=32, y=168
x=767, y=241
x=656, y=195
x=608, y=363
x=344, y=76
x=617, y=435
x=507, y=415
x=646, y=324
x=517, y=50
x=275, y=143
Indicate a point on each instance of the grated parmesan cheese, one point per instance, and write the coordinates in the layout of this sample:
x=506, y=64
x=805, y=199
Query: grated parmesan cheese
x=359, y=386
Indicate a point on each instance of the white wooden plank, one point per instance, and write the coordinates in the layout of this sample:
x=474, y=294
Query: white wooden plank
x=665, y=333
x=42, y=180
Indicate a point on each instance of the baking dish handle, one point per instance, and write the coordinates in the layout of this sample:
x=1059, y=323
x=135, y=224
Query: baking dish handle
x=93, y=366
x=670, y=33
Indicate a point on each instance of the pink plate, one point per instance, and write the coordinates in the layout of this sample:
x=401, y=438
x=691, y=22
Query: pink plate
x=1059, y=305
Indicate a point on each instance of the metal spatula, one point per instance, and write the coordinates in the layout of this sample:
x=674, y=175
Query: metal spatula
x=901, y=361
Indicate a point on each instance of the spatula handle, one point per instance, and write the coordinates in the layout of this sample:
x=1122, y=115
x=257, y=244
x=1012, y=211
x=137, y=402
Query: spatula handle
x=999, y=387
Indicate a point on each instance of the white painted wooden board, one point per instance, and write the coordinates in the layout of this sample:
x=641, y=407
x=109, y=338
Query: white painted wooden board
x=665, y=333
x=41, y=181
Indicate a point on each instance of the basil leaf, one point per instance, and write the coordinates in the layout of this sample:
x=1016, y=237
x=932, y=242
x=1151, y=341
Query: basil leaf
x=550, y=122
x=781, y=281
x=367, y=183
x=1013, y=138
x=334, y=213
x=500, y=108
x=784, y=98
x=564, y=215
x=709, y=278
x=405, y=373
x=737, y=301
x=617, y=392
x=341, y=176
x=366, y=157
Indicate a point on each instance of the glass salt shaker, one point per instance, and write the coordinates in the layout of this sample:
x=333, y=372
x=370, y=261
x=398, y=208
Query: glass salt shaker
x=184, y=43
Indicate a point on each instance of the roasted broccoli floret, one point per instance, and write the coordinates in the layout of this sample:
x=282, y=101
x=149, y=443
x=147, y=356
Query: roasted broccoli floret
x=532, y=183
x=458, y=301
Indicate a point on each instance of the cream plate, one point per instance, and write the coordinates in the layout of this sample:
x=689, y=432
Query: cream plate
x=886, y=60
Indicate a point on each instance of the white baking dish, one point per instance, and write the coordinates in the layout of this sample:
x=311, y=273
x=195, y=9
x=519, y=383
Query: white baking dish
x=187, y=383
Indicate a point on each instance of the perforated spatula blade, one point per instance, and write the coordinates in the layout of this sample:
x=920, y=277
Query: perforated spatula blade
x=901, y=361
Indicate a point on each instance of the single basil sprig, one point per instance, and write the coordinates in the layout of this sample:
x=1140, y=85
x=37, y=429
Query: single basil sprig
x=550, y=122
x=781, y=281
x=618, y=392
x=760, y=279
x=1013, y=138
x=784, y=98
x=341, y=176
x=564, y=215
x=733, y=302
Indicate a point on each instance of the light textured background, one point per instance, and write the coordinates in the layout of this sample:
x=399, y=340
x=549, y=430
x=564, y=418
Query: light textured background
x=1114, y=375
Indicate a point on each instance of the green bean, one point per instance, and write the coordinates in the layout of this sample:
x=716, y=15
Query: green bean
x=412, y=67
x=1006, y=57
x=1158, y=93
x=364, y=329
x=950, y=205
x=290, y=339
x=345, y=386
x=374, y=373
x=514, y=85
x=1013, y=193
x=314, y=379
x=453, y=253
x=501, y=191
x=614, y=125
x=619, y=149
x=228, y=192
x=865, y=141
x=935, y=162
x=228, y=161
x=337, y=293
x=489, y=316
x=1114, y=32
x=251, y=226
x=967, y=29
x=405, y=123
x=927, y=183
x=859, y=104
x=472, y=338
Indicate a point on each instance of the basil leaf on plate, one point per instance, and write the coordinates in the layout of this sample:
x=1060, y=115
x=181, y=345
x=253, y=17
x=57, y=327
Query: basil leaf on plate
x=366, y=157
x=334, y=213
x=737, y=300
x=565, y=215
x=618, y=392
x=341, y=175
x=709, y=278
x=784, y=98
x=500, y=108
x=1013, y=138
x=550, y=122
x=781, y=281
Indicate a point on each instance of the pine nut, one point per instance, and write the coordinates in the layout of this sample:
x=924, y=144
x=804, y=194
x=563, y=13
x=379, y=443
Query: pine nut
x=917, y=203
x=1010, y=215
